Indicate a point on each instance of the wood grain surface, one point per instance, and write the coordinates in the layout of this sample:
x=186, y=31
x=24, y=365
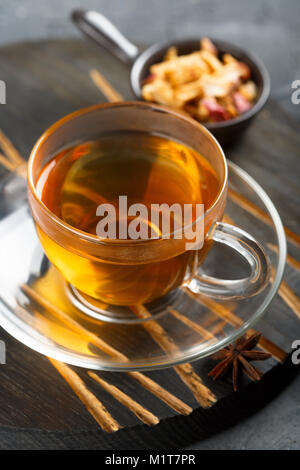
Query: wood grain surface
x=47, y=80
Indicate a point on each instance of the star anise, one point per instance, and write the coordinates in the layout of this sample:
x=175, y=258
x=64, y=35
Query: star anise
x=239, y=355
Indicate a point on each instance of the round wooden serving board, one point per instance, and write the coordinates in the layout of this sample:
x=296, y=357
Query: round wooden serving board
x=45, y=81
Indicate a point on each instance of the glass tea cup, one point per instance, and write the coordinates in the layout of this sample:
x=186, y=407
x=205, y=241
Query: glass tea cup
x=127, y=272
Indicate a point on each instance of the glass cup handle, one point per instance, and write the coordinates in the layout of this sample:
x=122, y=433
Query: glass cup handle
x=246, y=246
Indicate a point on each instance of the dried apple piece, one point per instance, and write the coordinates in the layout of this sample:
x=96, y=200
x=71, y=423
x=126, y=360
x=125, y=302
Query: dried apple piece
x=171, y=53
x=216, y=112
x=212, y=61
x=188, y=92
x=229, y=59
x=240, y=102
x=158, y=91
x=207, y=45
x=248, y=90
x=245, y=71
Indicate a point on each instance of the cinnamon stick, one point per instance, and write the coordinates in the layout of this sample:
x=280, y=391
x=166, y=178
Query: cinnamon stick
x=230, y=317
x=94, y=406
x=203, y=394
x=12, y=153
x=142, y=413
x=294, y=263
x=261, y=214
x=290, y=298
x=102, y=84
x=171, y=400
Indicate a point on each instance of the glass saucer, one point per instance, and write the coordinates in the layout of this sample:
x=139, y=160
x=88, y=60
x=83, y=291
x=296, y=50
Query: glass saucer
x=39, y=309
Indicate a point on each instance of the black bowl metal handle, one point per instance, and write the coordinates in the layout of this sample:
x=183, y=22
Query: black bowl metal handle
x=103, y=32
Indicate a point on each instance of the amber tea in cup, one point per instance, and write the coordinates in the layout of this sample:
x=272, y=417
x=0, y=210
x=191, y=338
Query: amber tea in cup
x=153, y=156
x=148, y=169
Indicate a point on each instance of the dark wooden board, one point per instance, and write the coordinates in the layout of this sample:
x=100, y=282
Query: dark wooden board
x=45, y=81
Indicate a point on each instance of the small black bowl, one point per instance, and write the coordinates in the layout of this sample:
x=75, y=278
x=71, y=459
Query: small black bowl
x=101, y=30
x=226, y=131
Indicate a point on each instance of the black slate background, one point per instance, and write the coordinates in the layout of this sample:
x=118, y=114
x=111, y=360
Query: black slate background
x=271, y=29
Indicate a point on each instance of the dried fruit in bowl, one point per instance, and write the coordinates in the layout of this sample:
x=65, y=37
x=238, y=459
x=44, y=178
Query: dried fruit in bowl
x=209, y=88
